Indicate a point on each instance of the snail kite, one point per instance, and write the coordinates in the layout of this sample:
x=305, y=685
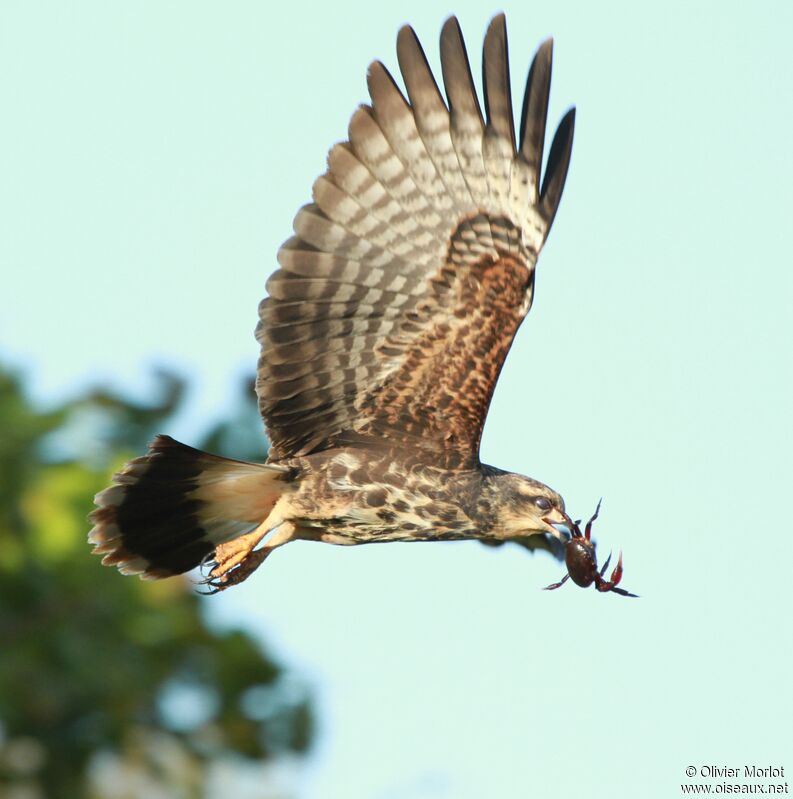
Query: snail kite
x=382, y=338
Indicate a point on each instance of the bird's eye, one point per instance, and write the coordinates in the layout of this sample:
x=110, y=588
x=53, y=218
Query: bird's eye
x=543, y=503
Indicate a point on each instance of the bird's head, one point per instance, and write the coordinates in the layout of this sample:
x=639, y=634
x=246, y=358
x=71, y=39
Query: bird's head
x=526, y=507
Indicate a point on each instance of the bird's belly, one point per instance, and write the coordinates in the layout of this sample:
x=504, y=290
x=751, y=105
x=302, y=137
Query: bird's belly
x=359, y=523
x=365, y=528
x=351, y=500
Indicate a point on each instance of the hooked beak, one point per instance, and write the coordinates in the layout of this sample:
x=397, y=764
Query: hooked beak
x=556, y=519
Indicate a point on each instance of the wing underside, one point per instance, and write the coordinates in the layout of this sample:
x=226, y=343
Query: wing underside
x=400, y=293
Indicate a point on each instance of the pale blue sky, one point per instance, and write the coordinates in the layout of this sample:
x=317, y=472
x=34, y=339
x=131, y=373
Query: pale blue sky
x=152, y=156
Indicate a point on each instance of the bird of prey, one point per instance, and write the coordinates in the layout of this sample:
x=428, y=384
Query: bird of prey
x=382, y=338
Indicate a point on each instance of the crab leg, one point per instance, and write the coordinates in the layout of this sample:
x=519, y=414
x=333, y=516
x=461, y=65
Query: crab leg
x=616, y=576
x=623, y=592
x=591, y=521
x=554, y=586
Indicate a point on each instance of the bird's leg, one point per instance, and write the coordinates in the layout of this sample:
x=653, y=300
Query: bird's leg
x=237, y=560
x=237, y=574
x=554, y=586
x=232, y=553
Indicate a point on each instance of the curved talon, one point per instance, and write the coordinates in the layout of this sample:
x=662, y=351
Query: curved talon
x=206, y=572
x=210, y=592
x=220, y=573
x=214, y=585
x=223, y=581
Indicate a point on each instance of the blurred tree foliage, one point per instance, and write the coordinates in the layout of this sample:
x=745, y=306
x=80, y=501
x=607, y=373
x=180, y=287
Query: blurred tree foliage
x=105, y=678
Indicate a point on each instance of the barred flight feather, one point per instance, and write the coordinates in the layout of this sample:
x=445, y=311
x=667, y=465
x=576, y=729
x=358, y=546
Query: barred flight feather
x=399, y=295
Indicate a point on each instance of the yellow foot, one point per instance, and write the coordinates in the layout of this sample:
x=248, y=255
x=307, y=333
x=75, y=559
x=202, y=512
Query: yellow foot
x=229, y=573
x=236, y=560
x=232, y=553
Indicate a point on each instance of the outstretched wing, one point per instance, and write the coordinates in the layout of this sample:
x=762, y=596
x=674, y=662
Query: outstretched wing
x=400, y=294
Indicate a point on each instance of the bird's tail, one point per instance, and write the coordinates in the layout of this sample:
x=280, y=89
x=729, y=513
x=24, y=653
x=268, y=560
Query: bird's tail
x=168, y=510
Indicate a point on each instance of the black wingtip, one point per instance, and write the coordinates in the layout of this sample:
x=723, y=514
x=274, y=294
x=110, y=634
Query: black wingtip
x=533, y=118
x=406, y=36
x=461, y=93
x=556, y=169
x=451, y=27
x=495, y=79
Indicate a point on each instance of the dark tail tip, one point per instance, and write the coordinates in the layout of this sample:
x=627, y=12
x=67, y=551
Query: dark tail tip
x=147, y=522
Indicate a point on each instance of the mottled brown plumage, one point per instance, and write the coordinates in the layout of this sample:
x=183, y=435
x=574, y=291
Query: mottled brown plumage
x=382, y=338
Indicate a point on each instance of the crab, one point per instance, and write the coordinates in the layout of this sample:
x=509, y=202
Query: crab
x=582, y=565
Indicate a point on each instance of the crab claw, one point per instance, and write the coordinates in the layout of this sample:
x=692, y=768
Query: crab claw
x=616, y=577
